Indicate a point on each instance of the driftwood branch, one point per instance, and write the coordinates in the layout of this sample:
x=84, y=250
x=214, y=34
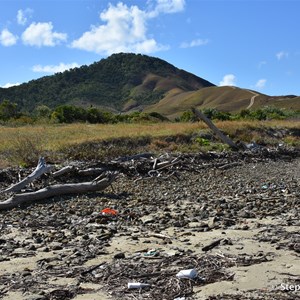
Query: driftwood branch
x=134, y=157
x=57, y=190
x=92, y=171
x=63, y=171
x=38, y=172
x=212, y=245
x=225, y=139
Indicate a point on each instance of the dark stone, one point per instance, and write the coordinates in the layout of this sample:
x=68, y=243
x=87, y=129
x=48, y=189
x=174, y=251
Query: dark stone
x=120, y=255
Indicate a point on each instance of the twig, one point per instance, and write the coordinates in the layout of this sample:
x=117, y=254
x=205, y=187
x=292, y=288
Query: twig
x=212, y=245
x=92, y=269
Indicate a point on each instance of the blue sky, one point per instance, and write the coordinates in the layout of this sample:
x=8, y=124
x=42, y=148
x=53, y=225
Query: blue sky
x=253, y=44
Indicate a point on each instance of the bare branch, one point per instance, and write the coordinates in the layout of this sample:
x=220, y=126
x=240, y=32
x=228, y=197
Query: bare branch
x=38, y=172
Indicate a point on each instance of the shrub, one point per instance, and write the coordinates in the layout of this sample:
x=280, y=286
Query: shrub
x=26, y=148
x=42, y=112
x=188, y=116
x=69, y=114
x=8, y=110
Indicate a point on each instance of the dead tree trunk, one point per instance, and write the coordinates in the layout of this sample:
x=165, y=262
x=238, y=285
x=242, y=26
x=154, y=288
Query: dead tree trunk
x=57, y=190
x=216, y=130
x=39, y=170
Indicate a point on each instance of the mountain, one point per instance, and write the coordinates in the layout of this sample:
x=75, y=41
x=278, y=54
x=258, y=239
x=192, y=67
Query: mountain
x=126, y=82
x=119, y=82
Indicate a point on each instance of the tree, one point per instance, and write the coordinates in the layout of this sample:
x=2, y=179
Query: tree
x=42, y=111
x=8, y=110
x=69, y=114
x=94, y=116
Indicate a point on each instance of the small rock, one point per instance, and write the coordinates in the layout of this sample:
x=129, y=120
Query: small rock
x=147, y=220
x=26, y=273
x=35, y=297
x=120, y=255
x=31, y=247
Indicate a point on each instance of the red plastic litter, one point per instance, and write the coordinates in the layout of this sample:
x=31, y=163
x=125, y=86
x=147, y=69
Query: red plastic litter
x=109, y=211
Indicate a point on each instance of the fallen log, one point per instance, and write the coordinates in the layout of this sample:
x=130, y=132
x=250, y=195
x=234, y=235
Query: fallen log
x=225, y=139
x=57, y=190
x=38, y=172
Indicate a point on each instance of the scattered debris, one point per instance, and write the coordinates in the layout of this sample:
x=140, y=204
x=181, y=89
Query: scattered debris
x=159, y=211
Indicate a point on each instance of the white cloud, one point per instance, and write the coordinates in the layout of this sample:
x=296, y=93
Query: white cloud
x=42, y=34
x=23, y=15
x=7, y=38
x=167, y=7
x=282, y=54
x=8, y=85
x=261, y=64
x=125, y=29
x=194, y=43
x=261, y=83
x=54, y=69
x=228, y=80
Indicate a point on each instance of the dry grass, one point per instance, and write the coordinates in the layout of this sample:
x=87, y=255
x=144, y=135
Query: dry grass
x=28, y=142
x=55, y=137
x=231, y=99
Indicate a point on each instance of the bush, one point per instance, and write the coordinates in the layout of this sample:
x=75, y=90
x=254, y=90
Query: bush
x=265, y=113
x=188, y=116
x=42, y=112
x=213, y=113
x=69, y=114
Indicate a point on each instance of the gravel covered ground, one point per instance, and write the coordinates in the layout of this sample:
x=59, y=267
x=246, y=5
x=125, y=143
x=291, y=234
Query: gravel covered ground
x=233, y=217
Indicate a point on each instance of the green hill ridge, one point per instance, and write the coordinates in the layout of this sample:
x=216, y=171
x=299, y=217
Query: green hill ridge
x=118, y=82
x=127, y=82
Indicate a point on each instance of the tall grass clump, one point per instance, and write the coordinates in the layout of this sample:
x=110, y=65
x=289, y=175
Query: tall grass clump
x=24, y=147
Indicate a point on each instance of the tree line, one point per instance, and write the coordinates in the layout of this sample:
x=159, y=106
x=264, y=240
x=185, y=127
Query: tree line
x=9, y=113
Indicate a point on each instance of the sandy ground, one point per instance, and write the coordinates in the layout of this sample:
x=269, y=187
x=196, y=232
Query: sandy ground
x=282, y=266
x=263, y=276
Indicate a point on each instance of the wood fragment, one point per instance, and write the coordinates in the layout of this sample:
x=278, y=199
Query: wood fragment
x=160, y=236
x=91, y=171
x=134, y=157
x=165, y=166
x=62, y=171
x=229, y=165
x=92, y=269
x=154, y=164
x=212, y=245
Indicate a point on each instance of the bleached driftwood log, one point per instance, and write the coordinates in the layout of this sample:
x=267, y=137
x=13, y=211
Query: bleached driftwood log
x=58, y=190
x=92, y=171
x=40, y=169
x=215, y=129
x=63, y=171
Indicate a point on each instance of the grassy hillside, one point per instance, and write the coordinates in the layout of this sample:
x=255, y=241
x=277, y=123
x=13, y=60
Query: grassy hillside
x=223, y=98
x=228, y=99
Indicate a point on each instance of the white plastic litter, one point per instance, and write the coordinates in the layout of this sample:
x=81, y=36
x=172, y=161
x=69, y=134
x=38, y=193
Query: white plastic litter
x=190, y=273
